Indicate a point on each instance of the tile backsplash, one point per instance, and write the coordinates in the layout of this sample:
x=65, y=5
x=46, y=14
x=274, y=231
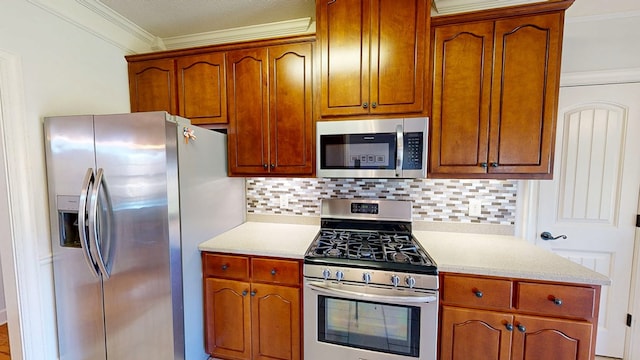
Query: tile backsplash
x=433, y=200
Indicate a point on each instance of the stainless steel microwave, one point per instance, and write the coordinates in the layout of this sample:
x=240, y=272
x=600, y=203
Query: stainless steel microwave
x=380, y=148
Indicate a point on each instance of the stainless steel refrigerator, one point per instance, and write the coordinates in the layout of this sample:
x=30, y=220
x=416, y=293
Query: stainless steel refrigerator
x=131, y=196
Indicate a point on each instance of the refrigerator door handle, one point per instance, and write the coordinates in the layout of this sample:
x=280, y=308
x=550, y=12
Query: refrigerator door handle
x=95, y=225
x=82, y=223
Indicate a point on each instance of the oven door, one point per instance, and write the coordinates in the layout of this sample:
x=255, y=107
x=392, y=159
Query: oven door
x=364, y=322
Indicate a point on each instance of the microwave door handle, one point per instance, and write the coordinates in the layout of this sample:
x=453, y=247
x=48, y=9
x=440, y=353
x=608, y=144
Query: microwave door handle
x=400, y=150
x=89, y=179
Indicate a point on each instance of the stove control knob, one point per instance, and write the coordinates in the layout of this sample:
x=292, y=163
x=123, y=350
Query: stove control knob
x=411, y=281
x=326, y=274
x=339, y=275
x=366, y=277
x=395, y=280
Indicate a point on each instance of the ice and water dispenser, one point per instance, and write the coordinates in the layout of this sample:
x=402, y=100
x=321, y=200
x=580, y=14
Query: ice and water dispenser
x=68, y=220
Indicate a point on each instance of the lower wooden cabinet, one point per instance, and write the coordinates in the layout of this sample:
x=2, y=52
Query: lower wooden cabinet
x=540, y=320
x=252, y=307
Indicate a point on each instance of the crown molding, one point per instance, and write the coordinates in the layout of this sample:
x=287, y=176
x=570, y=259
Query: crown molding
x=99, y=20
x=300, y=26
x=602, y=17
x=445, y=7
x=600, y=77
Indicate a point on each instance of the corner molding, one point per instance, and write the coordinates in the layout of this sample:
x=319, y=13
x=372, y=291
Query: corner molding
x=600, y=77
x=255, y=32
x=99, y=20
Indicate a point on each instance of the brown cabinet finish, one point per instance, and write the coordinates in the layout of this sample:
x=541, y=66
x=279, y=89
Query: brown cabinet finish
x=257, y=317
x=270, y=110
x=372, y=57
x=152, y=86
x=535, y=320
x=495, y=91
x=202, y=88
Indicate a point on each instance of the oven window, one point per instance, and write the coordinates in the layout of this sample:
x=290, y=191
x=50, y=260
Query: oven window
x=358, y=151
x=367, y=325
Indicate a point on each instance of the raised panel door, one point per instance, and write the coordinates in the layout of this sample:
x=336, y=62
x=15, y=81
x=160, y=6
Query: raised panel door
x=290, y=116
x=276, y=322
x=227, y=312
x=247, y=72
x=544, y=338
x=399, y=44
x=152, y=86
x=202, y=88
x=463, y=56
x=467, y=334
x=343, y=35
x=525, y=93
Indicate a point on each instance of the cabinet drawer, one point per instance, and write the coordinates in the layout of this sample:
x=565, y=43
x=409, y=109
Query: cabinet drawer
x=477, y=292
x=276, y=271
x=227, y=266
x=557, y=300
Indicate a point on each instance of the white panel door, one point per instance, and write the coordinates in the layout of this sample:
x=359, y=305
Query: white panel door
x=594, y=194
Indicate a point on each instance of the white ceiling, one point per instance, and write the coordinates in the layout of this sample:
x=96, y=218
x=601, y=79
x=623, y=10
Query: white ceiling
x=171, y=18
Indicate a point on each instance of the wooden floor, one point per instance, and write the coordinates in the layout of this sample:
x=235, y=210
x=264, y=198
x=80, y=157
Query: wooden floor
x=5, y=354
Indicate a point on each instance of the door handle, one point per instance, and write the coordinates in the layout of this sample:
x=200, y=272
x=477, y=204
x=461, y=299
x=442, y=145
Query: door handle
x=95, y=226
x=546, y=236
x=87, y=183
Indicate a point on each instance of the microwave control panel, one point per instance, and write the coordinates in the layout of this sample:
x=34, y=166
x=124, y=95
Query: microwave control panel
x=413, y=151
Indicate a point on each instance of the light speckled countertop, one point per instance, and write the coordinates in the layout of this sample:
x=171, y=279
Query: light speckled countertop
x=479, y=254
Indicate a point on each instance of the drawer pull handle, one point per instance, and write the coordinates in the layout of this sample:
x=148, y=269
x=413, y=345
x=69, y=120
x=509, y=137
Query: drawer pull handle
x=273, y=272
x=521, y=328
x=478, y=293
x=244, y=293
x=225, y=267
x=556, y=300
x=509, y=326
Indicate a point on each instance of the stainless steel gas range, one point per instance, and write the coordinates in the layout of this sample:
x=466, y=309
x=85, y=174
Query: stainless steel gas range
x=370, y=289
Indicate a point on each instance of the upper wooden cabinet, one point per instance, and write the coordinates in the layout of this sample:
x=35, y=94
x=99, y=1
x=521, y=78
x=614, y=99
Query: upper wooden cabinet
x=152, y=85
x=190, y=86
x=372, y=56
x=495, y=92
x=202, y=88
x=270, y=110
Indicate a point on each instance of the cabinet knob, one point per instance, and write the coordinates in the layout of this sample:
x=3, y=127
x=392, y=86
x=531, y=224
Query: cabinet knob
x=225, y=267
x=253, y=293
x=521, y=328
x=478, y=293
x=509, y=326
x=365, y=105
x=273, y=166
x=483, y=165
x=374, y=105
x=273, y=272
x=555, y=300
x=494, y=164
x=244, y=293
x=265, y=166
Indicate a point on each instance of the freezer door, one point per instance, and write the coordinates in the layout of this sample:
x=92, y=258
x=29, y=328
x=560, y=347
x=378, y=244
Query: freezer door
x=139, y=170
x=78, y=290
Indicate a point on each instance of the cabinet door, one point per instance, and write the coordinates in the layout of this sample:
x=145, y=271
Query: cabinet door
x=527, y=64
x=275, y=322
x=152, y=86
x=475, y=335
x=248, y=96
x=399, y=38
x=544, y=338
x=290, y=115
x=463, y=55
x=202, y=88
x=343, y=35
x=227, y=312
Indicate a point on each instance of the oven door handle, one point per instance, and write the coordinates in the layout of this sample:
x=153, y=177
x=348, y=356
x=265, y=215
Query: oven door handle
x=413, y=299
